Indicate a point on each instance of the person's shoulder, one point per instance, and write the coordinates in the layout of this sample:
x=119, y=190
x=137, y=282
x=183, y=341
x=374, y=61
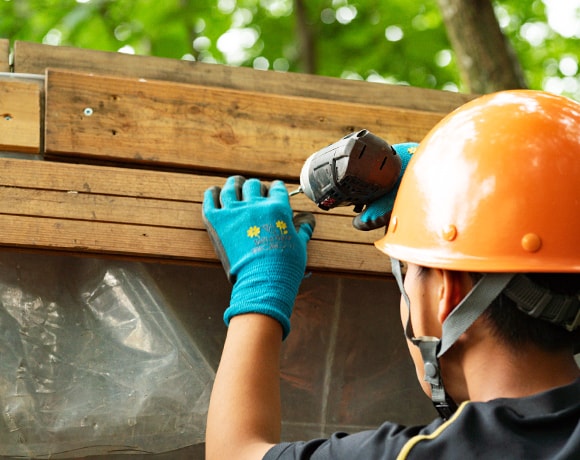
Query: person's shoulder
x=538, y=426
x=562, y=399
x=384, y=442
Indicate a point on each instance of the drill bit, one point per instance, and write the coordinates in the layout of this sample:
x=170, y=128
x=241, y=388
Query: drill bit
x=297, y=191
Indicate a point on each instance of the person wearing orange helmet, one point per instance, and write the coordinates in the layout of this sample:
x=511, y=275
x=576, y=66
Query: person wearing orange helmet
x=484, y=244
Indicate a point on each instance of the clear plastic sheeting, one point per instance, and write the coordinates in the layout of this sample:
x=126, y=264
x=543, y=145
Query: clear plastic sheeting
x=92, y=362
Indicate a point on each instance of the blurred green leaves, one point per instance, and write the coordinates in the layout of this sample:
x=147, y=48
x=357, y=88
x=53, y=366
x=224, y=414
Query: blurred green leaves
x=395, y=41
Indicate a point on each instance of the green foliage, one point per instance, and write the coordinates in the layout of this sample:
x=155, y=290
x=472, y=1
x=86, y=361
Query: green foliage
x=349, y=37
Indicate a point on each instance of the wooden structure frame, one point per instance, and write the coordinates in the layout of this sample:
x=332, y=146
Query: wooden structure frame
x=109, y=154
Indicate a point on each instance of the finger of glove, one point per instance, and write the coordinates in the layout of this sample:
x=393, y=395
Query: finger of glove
x=220, y=251
x=211, y=199
x=232, y=191
x=279, y=193
x=253, y=189
x=405, y=152
x=304, y=223
x=371, y=224
x=376, y=214
x=211, y=205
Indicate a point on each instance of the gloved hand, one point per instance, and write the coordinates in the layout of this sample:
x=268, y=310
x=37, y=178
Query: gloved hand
x=378, y=213
x=261, y=246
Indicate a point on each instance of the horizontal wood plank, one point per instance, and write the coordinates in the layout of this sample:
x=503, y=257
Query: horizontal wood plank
x=4, y=55
x=206, y=128
x=62, y=207
x=20, y=123
x=36, y=58
x=162, y=212
x=115, y=181
x=165, y=245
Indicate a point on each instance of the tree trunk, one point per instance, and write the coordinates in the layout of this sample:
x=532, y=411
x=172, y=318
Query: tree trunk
x=486, y=59
x=305, y=39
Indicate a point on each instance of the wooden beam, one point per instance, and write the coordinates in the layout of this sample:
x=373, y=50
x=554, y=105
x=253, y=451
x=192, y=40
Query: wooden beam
x=163, y=124
x=165, y=245
x=157, y=212
x=36, y=58
x=19, y=116
x=4, y=55
x=145, y=214
x=126, y=182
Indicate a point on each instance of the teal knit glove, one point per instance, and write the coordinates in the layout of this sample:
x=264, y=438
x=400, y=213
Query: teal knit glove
x=261, y=245
x=378, y=213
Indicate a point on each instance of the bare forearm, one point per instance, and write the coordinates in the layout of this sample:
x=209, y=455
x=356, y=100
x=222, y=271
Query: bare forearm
x=244, y=414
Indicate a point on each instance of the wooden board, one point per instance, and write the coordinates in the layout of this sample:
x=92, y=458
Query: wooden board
x=4, y=55
x=206, y=128
x=36, y=58
x=19, y=116
x=144, y=214
x=209, y=121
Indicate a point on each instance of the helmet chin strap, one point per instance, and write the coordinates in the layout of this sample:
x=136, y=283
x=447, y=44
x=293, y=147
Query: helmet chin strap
x=456, y=323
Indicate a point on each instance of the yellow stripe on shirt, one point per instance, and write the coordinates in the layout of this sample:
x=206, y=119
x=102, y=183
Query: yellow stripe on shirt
x=422, y=437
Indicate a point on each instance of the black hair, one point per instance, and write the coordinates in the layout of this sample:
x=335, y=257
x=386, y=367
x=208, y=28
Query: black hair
x=516, y=328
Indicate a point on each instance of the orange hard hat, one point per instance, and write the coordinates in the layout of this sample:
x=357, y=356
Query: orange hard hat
x=494, y=187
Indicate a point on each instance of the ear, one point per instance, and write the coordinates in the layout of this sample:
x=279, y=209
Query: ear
x=454, y=287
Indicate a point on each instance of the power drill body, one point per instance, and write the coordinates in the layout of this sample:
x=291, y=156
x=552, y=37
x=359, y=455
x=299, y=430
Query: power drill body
x=355, y=170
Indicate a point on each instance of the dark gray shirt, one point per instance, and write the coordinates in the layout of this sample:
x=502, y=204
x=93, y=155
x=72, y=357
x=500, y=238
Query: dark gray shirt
x=542, y=426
